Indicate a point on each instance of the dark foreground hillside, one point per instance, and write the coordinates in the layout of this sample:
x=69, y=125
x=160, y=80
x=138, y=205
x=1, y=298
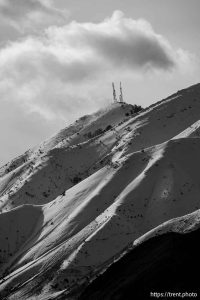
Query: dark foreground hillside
x=168, y=263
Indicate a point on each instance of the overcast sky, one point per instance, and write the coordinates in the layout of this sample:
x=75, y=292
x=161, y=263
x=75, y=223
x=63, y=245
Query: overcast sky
x=58, y=59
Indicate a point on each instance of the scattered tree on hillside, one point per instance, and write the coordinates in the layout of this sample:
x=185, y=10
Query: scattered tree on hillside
x=136, y=108
x=76, y=179
x=108, y=127
x=97, y=132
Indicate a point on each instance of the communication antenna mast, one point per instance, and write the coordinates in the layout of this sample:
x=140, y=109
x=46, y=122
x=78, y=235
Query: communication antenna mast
x=114, y=93
x=121, y=94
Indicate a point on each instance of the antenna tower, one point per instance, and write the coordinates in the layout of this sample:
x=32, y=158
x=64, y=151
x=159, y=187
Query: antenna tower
x=121, y=94
x=114, y=93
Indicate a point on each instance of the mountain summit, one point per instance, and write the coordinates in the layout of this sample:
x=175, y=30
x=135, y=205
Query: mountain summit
x=92, y=212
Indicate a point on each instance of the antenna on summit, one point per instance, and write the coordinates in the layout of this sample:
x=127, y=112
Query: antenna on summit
x=121, y=94
x=115, y=98
x=114, y=93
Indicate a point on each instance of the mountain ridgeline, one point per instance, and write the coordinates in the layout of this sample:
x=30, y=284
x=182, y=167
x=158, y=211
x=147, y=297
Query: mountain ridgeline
x=106, y=207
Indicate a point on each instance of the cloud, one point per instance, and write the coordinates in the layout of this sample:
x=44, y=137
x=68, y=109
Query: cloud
x=122, y=41
x=55, y=73
x=49, y=79
x=118, y=41
x=29, y=15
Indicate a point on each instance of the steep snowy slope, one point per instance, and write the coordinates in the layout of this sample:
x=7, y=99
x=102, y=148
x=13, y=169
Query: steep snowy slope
x=94, y=193
x=46, y=171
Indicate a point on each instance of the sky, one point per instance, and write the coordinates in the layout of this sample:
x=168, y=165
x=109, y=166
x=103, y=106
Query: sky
x=58, y=59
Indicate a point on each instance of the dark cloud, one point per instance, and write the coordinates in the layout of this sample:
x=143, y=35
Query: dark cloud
x=123, y=42
x=68, y=61
x=117, y=42
x=133, y=51
x=29, y=14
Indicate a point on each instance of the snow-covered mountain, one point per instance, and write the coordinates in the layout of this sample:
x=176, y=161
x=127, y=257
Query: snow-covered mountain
x=84, y=202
